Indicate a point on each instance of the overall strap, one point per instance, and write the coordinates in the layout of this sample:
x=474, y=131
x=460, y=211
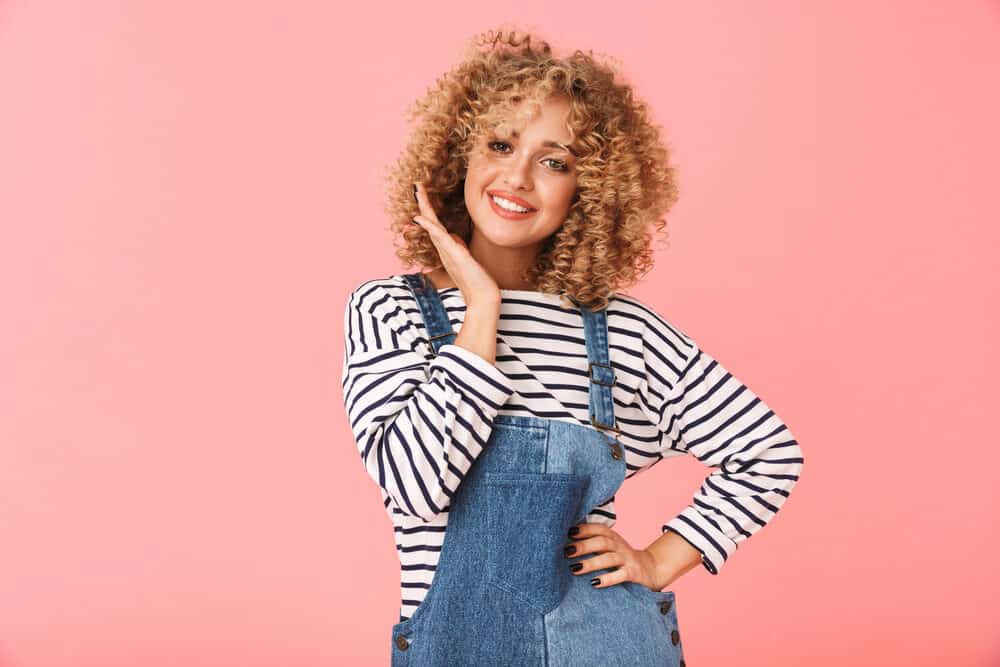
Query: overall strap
x=436, y=320
x=599, y=370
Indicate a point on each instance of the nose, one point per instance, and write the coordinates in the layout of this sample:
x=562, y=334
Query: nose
x=518, y=175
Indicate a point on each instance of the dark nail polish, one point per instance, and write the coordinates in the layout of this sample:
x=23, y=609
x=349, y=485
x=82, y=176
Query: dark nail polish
x=595, y=581
x=576, y=567
x=415, y=197
x=574, y=530
x=569, y=550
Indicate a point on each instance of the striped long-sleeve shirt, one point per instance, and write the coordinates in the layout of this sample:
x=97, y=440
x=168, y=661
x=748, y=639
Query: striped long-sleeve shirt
x=420, y=420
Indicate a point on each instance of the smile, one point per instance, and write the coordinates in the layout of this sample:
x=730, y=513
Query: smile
x=508, y=209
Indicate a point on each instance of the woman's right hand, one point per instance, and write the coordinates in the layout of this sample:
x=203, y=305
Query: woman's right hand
x=476, y=284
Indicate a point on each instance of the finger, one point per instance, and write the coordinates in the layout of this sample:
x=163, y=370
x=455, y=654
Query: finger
x=587, y=530
x=595, y=544
x=426, y=208
x=446, y=246
x=612, y=578
x=434, y=228
x=602, y=561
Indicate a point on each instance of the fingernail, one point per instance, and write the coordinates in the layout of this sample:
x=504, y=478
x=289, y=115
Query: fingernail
x=576, y=567
x=574, y=530
x=415, y=197
x=595, y=581
x=569, y=550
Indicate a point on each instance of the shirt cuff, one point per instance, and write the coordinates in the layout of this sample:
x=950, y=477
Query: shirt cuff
x=714, y=545
x=475, y=372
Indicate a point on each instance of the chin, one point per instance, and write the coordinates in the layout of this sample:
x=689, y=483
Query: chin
x=503, y=240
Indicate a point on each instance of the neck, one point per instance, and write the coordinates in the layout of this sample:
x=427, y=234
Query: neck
x=505, y=265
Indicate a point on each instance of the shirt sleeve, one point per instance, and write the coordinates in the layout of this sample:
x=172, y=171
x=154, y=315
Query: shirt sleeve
x=703, y=409
x=419, y=420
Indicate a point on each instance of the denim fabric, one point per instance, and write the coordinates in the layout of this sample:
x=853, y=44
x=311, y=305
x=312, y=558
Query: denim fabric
x=503, y=593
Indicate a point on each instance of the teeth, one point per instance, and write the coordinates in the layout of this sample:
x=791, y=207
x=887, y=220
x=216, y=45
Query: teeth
x=509, y=205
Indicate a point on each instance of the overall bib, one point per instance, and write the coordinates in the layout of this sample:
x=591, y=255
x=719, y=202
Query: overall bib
x=503, y=593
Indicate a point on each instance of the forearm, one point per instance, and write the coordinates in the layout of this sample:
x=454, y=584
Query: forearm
x=672, y=556
x=478, y=333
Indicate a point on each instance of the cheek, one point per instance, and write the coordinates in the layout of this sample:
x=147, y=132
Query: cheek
x=480, y=171
x=561, y=196
x=478, y=162
x=476, y=180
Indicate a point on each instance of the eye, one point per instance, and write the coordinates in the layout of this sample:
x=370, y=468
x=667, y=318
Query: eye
x=558, y=165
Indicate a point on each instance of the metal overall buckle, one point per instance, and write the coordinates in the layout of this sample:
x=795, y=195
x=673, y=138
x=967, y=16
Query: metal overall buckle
x=615, y=446
x=432, y=338
x=590, y=373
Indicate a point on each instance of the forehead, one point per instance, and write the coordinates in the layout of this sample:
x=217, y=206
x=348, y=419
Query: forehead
x=546, y=122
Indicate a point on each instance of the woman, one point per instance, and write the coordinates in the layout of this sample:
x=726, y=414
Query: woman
x=535, y=183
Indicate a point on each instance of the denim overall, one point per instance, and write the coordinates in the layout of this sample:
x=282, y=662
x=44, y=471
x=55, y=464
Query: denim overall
x=503, y=593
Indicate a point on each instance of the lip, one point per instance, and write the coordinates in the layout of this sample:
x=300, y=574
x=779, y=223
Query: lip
x=508, y=196
x=510, y=215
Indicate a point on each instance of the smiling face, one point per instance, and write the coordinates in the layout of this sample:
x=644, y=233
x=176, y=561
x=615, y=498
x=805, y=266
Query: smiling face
x=529, y=170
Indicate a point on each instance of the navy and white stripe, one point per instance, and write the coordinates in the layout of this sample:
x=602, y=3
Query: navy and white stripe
x=420, y=420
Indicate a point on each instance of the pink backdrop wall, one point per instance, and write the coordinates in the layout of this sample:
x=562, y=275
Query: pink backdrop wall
x=189, y=191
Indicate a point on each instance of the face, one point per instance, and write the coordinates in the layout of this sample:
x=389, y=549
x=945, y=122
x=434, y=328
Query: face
x=529, y=171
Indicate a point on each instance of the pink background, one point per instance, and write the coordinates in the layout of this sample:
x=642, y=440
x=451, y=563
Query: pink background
x=189, y=191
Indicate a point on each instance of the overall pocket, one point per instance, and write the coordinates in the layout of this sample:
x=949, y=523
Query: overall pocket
x=528, y=516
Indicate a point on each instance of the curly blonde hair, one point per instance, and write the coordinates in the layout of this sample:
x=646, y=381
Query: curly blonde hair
x=625, y=184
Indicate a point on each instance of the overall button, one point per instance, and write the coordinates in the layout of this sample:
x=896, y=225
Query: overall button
x=402, y=644
x=665, y=606
x=616, y=451
x=675, y=637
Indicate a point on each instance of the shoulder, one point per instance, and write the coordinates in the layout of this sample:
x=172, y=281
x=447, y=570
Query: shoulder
x=387, y=299
x=375, y=294
x=645, y=317
x=665, y=344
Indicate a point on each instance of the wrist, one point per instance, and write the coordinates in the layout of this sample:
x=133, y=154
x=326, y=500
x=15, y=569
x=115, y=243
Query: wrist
x=487, y=305
x=670, y=556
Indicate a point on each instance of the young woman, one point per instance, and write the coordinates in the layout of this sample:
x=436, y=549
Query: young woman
x=531, y=183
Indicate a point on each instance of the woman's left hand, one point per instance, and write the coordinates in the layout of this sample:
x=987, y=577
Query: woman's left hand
x=612, y=551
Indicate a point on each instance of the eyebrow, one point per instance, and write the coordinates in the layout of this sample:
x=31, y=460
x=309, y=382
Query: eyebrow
x=550, y=144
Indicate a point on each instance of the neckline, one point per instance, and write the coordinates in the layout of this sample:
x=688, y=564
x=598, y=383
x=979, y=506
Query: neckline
x=502, y=291
x=442, y=290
